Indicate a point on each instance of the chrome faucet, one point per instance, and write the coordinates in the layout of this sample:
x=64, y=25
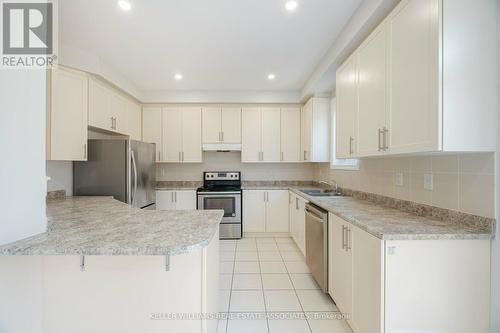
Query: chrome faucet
x=334, y=186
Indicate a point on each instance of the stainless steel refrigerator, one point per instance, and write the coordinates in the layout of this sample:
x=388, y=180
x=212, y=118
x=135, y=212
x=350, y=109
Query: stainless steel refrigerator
x=122, y=168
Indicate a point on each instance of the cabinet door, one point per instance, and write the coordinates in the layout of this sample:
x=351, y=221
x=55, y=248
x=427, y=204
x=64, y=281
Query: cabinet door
x=372, y=93
x=211, y=124
x=414, y=77
x=306, y=133
x=277, y=211
x=185, y=200
x=251, y=135
x=291, y=214
x=134, y=120
x=165, y=200
x=368, y=282
x=231, y=125
x=271, y=134
x=171, y=135
x=191, y=135
x=347, y=109
x=301, y=225
x=119, y=112
x=99, y=106
x=151, y=128
x=290, y=134
x=254, y=211
x=68, y=116
x=342, y=266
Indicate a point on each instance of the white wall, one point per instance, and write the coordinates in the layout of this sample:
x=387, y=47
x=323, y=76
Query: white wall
x=61, y=176
x=22, y=144
x=213, y=161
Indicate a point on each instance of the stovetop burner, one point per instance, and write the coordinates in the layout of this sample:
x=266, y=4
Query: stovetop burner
x=221, y=181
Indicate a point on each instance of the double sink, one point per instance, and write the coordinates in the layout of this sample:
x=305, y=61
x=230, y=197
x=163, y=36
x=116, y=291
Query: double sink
x=321, y=192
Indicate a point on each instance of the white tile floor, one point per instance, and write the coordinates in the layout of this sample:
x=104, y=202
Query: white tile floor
x=265, y=286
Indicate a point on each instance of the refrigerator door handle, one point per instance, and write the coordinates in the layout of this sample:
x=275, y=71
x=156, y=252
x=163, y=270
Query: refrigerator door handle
x=134, y=166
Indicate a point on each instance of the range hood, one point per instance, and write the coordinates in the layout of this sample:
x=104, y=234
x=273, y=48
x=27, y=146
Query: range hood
x=222, y=147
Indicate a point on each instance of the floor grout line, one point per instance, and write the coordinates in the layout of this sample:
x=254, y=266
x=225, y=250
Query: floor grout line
x=263, y=295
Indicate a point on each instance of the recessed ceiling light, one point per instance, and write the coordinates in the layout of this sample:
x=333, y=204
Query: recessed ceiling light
x=178, y=76
x=271, y=76
x=291, y=5
x=125, y=5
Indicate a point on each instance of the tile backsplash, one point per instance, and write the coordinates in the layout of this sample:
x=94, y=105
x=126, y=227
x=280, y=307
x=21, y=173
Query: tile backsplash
x=462, y=182
x=231, y=161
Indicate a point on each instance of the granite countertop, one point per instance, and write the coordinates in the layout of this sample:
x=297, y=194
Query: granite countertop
x=105, y=226
x=177, y=185
x=393, y=224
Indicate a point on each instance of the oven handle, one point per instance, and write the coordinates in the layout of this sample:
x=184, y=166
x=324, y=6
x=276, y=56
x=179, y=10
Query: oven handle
x=219, y=194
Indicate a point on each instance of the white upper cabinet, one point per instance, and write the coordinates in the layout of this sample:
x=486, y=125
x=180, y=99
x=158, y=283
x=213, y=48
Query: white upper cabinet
x=134, y=113
x=67, y=115
x=251, y=120
x=347, y=109
x=191, y=135
x=181, y=135
x=372, y=104
x=425, y=81
x=212, y=121
x=290, y=134
x=100, y=115
x=221, y=125
x=112, y=111
x=152, y=128
x=271, y=137
x=315, y=134
x=231, y=125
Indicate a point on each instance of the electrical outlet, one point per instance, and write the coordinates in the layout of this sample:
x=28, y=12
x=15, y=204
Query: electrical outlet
x=428, y=181
x=398, y=179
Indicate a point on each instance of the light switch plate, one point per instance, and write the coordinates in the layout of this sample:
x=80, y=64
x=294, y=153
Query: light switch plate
x=428, y=181
x=398, y=179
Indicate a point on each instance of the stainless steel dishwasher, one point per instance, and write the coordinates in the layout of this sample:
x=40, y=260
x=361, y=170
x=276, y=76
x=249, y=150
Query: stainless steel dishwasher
x=317, y=244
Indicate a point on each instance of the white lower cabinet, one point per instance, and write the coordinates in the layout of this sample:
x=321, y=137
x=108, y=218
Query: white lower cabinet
x=176, y=200
x=408, y=285
x=265, y=211
x=297, y=212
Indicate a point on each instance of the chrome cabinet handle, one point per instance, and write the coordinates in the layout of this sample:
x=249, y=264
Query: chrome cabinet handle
x=85, y=151
x=351, y=139
x=282, y=156
x=172, y=197
x=159, y=156
x=182, y=156
x=112, y=123
x=175, y=197
x=296, y=203
x=379, y=140
x=222, y=136
x=385, y=131
x=343, y=237
x=305, y=158
x=348, y=243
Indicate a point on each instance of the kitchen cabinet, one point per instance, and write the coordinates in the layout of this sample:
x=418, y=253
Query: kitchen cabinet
x=340, y=250
x=176, y=200
x=265, y=211
x=221, y=125
x=111, y=111
x=393, y=285
x=290, y=134
x=298, y=221
x=151, y=128
x=315, y=133
x=415, y=91
x=67, y=114
x=261, y=135
x=372, y=105
x=346, y=112
x=181, y=135
x=134, y=113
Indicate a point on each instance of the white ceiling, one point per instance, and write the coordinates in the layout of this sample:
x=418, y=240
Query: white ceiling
x=218, y=45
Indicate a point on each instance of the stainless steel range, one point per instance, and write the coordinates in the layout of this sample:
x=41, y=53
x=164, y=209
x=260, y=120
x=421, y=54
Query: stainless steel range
x=222, y=190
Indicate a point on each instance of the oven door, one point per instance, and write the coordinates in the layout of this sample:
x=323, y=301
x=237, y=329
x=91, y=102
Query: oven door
x=230, y=202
